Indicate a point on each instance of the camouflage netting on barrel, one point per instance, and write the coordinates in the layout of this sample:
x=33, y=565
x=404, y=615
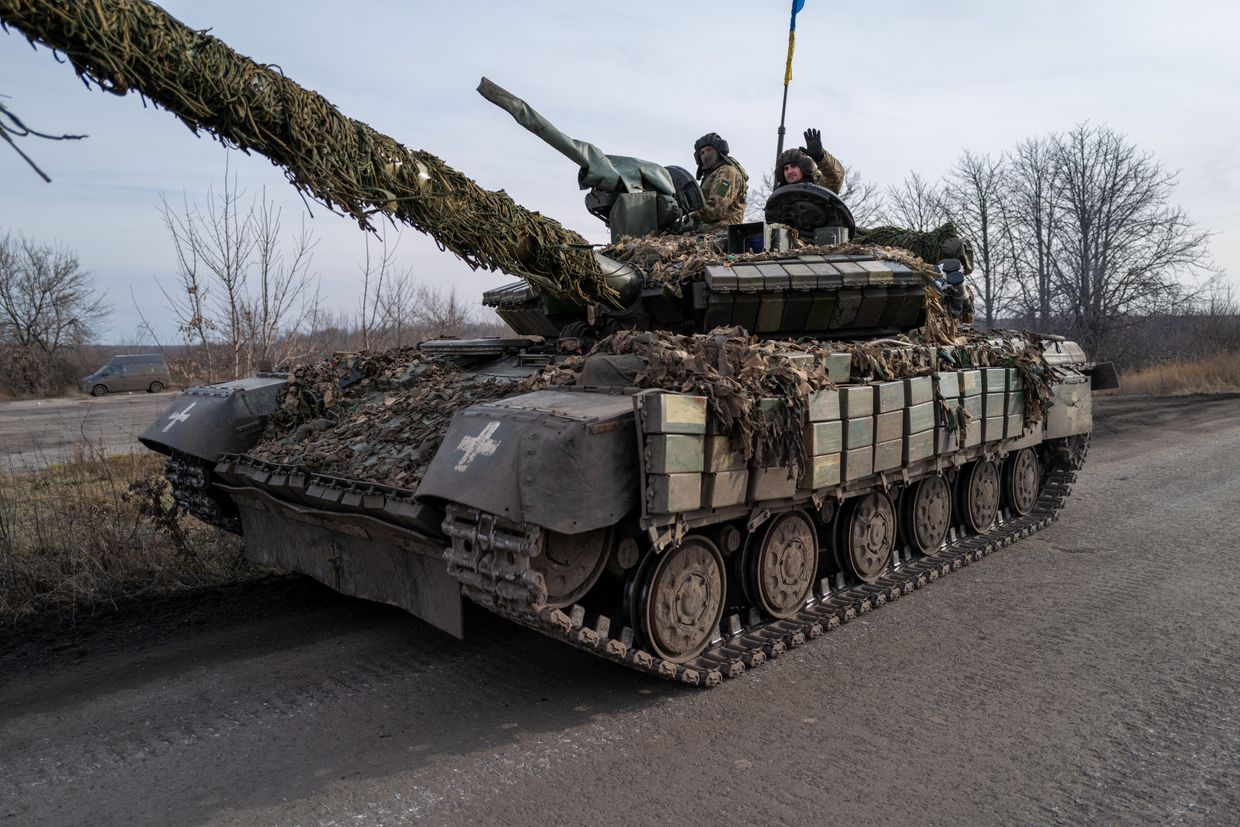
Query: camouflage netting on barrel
x=129, y=45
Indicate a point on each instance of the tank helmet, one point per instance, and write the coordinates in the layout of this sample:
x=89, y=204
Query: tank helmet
x=793, y=157
x=711, y=139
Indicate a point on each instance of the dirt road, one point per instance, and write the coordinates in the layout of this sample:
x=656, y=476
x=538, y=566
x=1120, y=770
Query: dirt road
x=35, y=433
x=1087, y=674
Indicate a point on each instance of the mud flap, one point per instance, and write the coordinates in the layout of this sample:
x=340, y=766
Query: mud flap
x=355, y=555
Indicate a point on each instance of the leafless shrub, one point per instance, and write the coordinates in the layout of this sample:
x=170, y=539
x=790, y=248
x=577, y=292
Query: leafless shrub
x=99, y=530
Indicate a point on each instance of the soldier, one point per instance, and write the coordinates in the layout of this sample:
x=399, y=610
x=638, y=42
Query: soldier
x=810, y=165
x=726, y=185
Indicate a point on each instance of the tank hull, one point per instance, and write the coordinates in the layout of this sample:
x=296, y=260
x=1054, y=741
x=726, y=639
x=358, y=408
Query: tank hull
x=559, y=508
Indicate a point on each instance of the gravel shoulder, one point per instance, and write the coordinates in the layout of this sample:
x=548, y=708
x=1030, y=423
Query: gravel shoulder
x=1087, y=674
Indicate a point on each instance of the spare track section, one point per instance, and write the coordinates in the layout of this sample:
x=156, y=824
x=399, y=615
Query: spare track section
x=754, y=642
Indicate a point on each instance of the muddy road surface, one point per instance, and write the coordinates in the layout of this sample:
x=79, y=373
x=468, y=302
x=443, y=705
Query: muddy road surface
x=36, y=433
x=1086, y=675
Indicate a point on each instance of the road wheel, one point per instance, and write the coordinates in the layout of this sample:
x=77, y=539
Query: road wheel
x=155, y=387
x=1020, y=481
x=926, y=514
x=780, y=564
x=867, y=534
x=682, y=599
x=571, y=564
x=977, y=495
x=99, y=390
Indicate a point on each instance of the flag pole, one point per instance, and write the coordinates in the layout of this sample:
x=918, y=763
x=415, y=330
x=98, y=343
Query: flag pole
x=797, y=5
x=779, y=149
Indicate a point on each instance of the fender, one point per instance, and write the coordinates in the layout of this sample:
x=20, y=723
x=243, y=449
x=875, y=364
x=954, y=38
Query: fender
x=227, y=418
x=563, y=460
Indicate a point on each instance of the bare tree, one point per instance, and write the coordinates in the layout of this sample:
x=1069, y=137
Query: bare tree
x=755, y=206
x=238, y=287
x=286, y=294
x=12, y=127
x=1123, y=248
x=971, y=197
x=914, y=204
x=1030, y=209
x=864, y=199
x=399, y=306
x=48, y=306
x=376, y=270
x=441, y=313
x=188, y=301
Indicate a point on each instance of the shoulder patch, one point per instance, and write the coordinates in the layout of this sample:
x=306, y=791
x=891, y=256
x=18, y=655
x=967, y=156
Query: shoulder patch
x=723, y=187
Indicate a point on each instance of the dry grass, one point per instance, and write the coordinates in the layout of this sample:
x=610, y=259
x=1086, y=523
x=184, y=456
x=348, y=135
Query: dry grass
x=100, y=530
x=1219, y=373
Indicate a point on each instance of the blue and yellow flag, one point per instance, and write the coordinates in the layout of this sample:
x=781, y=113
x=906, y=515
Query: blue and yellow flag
x=797, y=5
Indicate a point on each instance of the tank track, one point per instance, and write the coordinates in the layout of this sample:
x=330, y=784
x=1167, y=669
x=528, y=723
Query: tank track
x=753, y=641
x=190, y=478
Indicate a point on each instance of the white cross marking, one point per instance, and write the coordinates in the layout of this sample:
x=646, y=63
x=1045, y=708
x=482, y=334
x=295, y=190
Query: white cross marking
x=475, y=445
x=179, y=416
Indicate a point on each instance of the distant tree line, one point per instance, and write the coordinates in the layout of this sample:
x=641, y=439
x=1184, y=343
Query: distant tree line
x=1073, y=233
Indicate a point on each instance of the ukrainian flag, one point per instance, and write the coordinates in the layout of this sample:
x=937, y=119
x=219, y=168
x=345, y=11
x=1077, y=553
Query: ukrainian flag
x=797, y=5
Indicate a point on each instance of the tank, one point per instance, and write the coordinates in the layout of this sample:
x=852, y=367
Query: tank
x=696, y=451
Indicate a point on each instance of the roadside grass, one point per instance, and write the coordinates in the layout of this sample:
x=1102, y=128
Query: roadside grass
x=1219, y=373
x=96, y=530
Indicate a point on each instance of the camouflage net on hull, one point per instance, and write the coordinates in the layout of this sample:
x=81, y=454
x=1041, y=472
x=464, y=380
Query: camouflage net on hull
x=377, y=416
x=736, y=372
x=380, y=417
x=129, y=45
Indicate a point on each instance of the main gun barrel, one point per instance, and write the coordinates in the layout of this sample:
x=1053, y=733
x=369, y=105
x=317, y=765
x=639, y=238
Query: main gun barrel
x=121, y=46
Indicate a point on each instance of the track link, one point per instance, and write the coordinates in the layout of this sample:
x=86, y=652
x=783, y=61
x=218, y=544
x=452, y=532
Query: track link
x=190, y=478
x=750, y=644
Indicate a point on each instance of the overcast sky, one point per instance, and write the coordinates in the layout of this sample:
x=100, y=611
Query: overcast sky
x=894, y=85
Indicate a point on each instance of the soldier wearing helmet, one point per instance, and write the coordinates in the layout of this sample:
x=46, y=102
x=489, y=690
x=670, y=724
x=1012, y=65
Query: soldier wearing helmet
x=810, y=165
x=725, y=185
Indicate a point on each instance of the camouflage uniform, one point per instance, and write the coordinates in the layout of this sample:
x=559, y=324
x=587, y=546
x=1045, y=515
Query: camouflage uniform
x=725, y=189
x=827, y=172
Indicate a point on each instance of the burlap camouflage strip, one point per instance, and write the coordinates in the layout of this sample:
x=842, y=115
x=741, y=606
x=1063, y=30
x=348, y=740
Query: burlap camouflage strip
x=381, y=416
x=927, y=245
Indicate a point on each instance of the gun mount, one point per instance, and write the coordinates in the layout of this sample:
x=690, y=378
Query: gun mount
x=633, y=197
